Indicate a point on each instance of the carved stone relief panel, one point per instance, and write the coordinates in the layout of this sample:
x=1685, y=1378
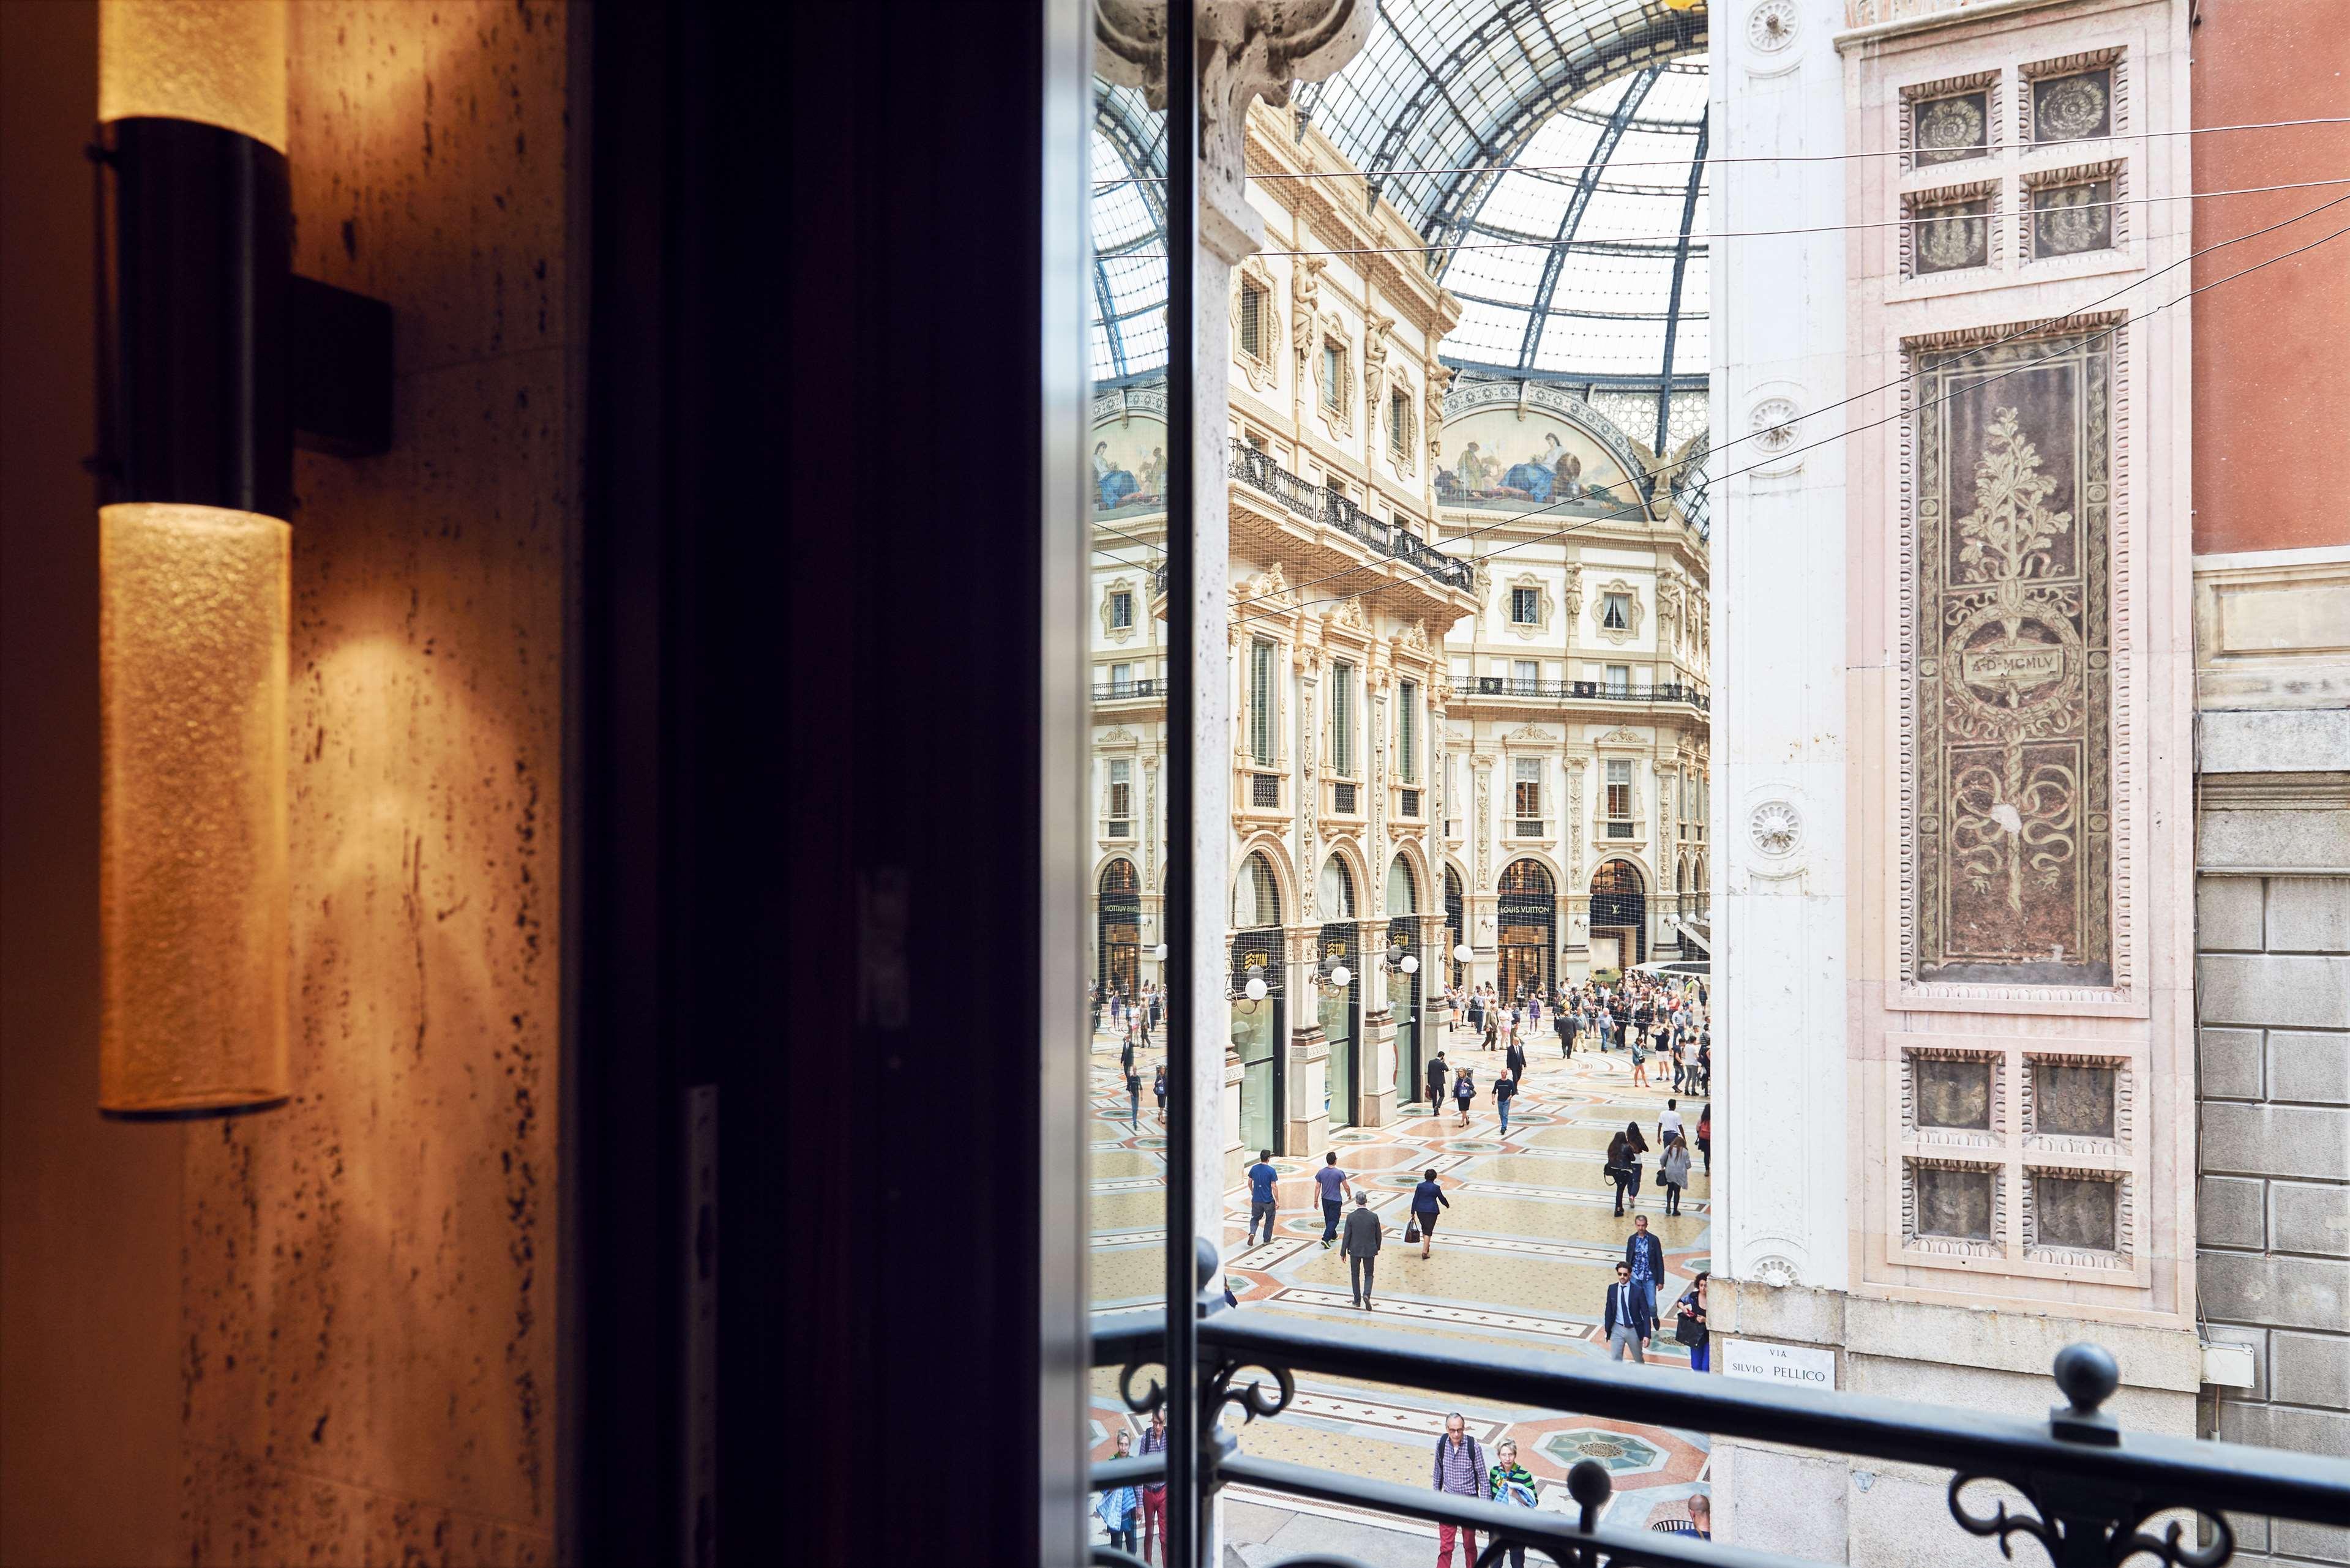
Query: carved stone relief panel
x=2079, y=1218
x=2071, y=212
x=2071, y=1100
x=1952, y=1206
x=1954, y=1093
x=1951, y=229
x=2069, y=108
x=1950, y=129
x=2008, y=738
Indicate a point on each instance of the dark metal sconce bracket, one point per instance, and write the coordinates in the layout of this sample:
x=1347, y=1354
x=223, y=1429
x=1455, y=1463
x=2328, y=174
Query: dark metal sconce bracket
x=340, y=370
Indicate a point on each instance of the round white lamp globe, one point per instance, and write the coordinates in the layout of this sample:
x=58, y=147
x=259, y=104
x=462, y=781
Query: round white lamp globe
x=1463, y=952
x=1342, y=977
x=1256, y=989
x=1159, y=952
x=1411, y=964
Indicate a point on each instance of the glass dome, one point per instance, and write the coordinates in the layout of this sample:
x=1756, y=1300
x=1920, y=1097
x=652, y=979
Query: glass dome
x=1556, y=148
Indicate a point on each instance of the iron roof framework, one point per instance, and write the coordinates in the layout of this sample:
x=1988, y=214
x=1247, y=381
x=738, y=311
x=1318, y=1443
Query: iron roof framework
x=1569, y=134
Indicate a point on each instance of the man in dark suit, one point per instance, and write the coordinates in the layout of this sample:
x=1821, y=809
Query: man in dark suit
x=1360, y=1247
x=1630, y=1319
x=1439, y=1078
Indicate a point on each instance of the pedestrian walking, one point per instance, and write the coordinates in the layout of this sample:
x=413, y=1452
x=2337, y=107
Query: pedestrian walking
x=1689, y=1326
x=1705, y=1137
x=1133, y=1101
x=1516, y=1061
x=1361, y=1248
x=1630, y=1318
x=1639, y=1057
x=1476, y=1012
x=1154, y=1497
x=1426, y=1199
x=1463, y=1092
x=1126, y=1054
x=1437, y=1079
x=1159, y=1088
x=1505, y=1089
x=1672, y=1171
x=1624, y=1152
x=1511, y=1485
x=1644, y=1256
x=1120, y=1508
x=1460, y=1472
x=1668, y=1123
x=1570, y=1025
x=1332, y=1180
x=1261, y=1177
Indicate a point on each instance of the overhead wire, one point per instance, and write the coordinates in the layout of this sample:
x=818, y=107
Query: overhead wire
x=1954, y=154
x=2025, y=331
x=1762, y=233
x=1874, y=424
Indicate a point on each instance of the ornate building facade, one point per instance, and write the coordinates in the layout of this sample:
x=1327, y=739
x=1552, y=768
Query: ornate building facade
x=1394, y=699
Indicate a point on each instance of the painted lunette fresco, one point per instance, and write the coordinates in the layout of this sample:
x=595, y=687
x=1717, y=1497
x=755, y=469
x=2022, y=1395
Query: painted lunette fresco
x=1496, y=458
x=2011, y=743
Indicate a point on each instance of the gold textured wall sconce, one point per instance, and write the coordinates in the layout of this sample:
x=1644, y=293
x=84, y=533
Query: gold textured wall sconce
x=212, y=357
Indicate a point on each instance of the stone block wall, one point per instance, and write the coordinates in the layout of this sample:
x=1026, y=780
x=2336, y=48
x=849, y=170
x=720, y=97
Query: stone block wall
x=2273, y=1207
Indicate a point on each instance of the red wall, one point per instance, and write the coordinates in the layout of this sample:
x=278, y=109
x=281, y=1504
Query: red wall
x=2272, y=350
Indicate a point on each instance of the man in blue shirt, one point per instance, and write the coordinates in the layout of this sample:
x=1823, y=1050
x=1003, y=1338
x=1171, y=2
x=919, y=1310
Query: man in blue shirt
x=1261, y=1178
x=1333, y=1183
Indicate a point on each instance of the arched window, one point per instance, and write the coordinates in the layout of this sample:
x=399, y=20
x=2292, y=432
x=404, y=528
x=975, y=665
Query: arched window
x=1619, y=903
x=1336, y=890
x=1528, y=910
x=1403, y=891
x=1118, y=946
x=1257, y=896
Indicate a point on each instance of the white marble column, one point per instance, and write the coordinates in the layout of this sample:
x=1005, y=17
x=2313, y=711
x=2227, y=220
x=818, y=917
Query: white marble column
x=1778, y=713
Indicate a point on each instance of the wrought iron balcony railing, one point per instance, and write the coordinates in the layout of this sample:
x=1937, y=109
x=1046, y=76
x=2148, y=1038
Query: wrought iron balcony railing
x=2092, y=1492
x=1587, y=691
x=1315, y=504
x=1123, y=690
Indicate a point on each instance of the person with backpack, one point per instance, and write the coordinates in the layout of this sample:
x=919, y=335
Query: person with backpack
x=1460, y=1472
x=1505, y=1089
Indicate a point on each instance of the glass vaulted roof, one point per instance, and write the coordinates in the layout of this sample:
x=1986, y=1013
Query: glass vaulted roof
x=1555, y=148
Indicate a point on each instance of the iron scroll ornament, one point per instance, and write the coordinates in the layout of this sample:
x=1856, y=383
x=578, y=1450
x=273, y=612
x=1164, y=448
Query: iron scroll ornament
x=2089, y=1540
x=2081, y=1528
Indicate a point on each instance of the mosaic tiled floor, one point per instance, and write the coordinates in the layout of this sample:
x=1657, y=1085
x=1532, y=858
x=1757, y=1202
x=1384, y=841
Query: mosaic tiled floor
x=1523, y=1258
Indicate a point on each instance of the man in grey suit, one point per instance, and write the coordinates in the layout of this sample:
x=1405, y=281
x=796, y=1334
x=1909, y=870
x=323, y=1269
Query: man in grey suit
x=1360, y=1247
x=1630, y=1318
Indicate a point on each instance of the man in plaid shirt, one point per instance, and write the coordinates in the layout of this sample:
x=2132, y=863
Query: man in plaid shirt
x=1460, y=1470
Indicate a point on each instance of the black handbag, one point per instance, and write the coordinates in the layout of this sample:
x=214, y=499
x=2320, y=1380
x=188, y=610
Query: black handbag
x=1411, y=1231
x=1690, y=1331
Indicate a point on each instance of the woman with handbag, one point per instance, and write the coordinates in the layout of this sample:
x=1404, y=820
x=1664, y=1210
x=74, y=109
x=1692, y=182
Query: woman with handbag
x=1463, y=1093
x=1672, y=1172
x=1624, y=1152
x=1425, y=1200
x=1689, y=1328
